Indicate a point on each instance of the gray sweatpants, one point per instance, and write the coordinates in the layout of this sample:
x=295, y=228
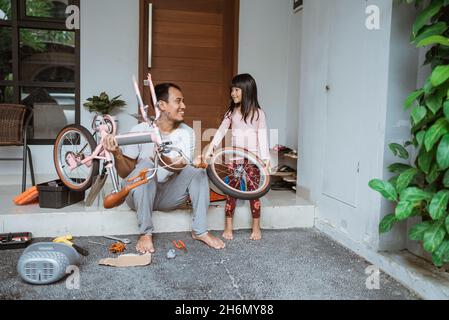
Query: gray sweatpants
x=169, y=195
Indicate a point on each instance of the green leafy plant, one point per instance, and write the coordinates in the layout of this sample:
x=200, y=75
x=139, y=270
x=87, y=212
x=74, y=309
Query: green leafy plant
x=421, y=188
x=102, y=104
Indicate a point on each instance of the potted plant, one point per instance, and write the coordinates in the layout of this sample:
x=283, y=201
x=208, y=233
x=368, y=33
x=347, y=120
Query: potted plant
x=102, y=104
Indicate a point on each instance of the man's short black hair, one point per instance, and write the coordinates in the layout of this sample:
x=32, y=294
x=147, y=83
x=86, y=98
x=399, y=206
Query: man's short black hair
x=162, y=90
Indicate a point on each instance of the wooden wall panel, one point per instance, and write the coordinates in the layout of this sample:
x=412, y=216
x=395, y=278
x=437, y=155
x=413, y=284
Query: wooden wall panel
x=194, y=46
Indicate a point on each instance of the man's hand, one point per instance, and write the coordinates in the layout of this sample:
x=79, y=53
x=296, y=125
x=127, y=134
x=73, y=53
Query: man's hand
x=200, y=162
x=110, y=143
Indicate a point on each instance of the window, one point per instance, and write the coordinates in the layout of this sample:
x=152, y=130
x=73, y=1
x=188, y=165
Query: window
x=39, y=64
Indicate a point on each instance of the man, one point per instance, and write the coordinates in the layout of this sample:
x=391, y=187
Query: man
x=172, y=185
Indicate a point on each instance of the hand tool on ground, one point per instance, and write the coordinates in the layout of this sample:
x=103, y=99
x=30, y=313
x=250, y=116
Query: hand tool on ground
x=124, y=240
x=93, y=242
x=117, y=247
x=66, y=240
x=180, y=245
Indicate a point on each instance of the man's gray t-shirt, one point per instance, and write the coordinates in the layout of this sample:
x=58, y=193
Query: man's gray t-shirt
x=183, y=138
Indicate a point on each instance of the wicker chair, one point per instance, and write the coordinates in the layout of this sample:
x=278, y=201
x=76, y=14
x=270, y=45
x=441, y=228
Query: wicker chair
x=14, y=121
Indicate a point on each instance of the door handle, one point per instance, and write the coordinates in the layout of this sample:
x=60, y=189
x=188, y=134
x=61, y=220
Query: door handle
x=150, y=34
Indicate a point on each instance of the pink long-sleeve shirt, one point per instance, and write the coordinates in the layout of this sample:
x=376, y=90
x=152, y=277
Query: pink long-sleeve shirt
x=250, y=136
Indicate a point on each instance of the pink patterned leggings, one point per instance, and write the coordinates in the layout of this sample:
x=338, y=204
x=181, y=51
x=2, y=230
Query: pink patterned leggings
x=254, y=174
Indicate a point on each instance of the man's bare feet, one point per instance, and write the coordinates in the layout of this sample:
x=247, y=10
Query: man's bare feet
x=228, y=234
x=210, y=240
x=145, y=244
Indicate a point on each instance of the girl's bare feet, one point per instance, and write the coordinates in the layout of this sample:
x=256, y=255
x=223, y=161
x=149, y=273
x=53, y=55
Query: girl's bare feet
x=228, y=234
x=256, y=235
x=145, y=244
x=210, y=240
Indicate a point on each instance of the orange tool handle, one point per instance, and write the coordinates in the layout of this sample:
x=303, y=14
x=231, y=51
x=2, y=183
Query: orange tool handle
x=115, y=199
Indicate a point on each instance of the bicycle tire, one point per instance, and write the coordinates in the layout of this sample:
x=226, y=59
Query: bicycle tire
x=259, y=192
x=57, y=158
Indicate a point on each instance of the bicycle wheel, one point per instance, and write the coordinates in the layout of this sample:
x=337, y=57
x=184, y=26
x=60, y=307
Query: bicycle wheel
x=73, y=144
x=239, y=173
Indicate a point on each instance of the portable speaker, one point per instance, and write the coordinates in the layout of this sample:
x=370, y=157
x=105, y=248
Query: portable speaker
x=46, y=262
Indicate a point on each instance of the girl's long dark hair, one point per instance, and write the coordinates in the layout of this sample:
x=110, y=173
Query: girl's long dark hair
x=249, y=105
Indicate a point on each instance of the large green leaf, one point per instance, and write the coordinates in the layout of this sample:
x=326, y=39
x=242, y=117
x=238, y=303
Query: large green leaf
x=413, y=97
x=443, y=153
x=399, y=150
x=405, y=179
x=393, y=181
x=441, y=255
x=398, y=167
x=446, y=179
x=434, y=174
x=447, y=224
x=432, y=30
x=418, y=113
x=432, y=40
x=435, y=101
x=428, y=87
x=425, y=160
x=423, y=18
x=438, y=205
x=439, y=129
x=420, y=137
x=404, y=210
x=385, y=188
x=416, y=233
x=439, y=75
x=414, y=194
x=446, y=109
x=387, y=223
x=434, y=236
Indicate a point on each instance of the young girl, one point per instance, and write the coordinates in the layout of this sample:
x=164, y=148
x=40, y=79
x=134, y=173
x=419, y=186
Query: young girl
x=249, y=131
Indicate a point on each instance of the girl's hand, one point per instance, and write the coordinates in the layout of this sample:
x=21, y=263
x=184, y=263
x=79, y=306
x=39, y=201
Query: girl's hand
x=268, y=165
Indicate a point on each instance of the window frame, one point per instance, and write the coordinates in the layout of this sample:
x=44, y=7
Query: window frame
x=20, y=20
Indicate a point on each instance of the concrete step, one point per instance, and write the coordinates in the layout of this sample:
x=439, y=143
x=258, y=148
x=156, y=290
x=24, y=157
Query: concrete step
x=280, y=210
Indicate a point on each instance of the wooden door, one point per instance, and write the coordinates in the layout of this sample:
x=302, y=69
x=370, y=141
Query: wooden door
x=193, y=44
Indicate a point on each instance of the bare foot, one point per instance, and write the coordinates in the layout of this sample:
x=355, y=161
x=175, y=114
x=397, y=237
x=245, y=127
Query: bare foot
x=145, y=244
x=256, y=235
x=228, y=235
x=210, y=240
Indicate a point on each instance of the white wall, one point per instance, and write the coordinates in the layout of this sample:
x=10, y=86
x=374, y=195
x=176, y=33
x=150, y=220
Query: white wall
x=387, y=75
x=109, y=53
x=109, y=58
x=266, y=45
x=293, y=82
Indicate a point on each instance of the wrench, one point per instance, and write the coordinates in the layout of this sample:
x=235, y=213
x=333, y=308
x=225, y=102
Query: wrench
x=124, y=240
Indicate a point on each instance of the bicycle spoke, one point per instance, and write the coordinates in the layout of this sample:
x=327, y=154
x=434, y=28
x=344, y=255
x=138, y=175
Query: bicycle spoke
x=248, y=178
x=222, y=171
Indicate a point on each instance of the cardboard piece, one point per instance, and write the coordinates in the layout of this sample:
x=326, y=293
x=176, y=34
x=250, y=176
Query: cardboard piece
x=127, y=260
